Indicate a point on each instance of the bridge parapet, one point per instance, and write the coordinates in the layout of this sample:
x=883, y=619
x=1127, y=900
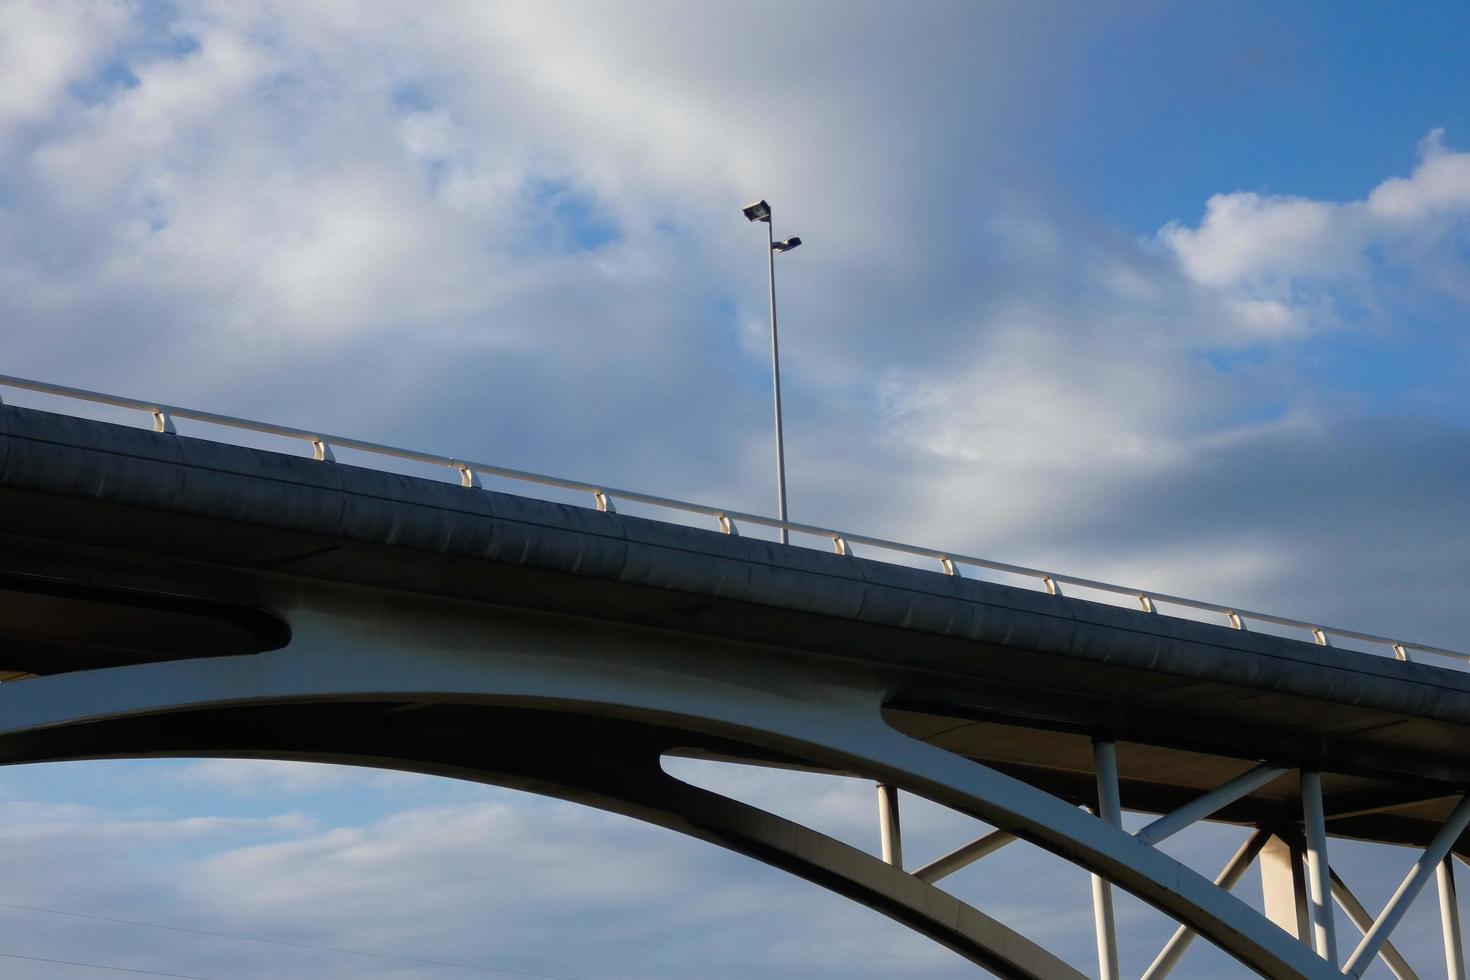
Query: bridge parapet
x=602, y=498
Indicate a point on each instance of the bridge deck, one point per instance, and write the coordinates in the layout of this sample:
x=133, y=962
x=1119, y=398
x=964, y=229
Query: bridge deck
x=119, y=545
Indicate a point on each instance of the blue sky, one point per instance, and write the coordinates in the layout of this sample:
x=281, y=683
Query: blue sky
x=1172, y=294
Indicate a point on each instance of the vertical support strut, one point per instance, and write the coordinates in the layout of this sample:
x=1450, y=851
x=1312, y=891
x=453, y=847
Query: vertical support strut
x=1449, y=920
x=888, y=827
x=1283, y=886
x=1109, y=808
x=1324, y=933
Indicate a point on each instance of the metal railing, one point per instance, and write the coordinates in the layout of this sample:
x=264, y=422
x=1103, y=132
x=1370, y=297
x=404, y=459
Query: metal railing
x=726, y=520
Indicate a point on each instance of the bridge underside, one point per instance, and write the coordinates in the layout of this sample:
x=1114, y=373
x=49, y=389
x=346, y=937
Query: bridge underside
x=545, y=752
x=161, y=596
x=1388, y=778
x=585, y=711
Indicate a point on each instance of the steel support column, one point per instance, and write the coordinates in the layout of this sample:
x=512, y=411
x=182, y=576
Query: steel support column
x=1449, y=919
x=888, y=825
x=1109, y=809
x=1324, y=932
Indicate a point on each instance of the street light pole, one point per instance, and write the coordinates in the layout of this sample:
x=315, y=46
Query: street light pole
x=761, y=211
x=776, y=386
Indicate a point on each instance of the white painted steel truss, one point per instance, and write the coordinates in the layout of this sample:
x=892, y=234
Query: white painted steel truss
x=1299, y=882
x=585, y=711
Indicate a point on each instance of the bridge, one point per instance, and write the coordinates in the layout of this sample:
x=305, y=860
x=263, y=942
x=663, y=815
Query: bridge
x=167, y=595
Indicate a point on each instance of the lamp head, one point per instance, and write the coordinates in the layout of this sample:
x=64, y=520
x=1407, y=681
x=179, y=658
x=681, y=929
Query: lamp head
x=787, y=245
x=759, y=211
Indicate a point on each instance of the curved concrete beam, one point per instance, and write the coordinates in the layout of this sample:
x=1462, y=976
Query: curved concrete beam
x=626, y=778
x=417, y=650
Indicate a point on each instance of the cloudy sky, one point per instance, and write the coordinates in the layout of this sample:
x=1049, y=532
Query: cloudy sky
x=1168, y=294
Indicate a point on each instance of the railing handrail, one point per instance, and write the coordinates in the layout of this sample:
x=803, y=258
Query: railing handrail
x=469, y=470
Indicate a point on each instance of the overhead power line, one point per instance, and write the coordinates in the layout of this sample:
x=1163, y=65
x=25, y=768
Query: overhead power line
x=102, y=966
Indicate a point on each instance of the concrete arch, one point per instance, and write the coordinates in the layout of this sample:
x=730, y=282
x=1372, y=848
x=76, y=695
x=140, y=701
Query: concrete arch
x=418, y=651
x=525, y=750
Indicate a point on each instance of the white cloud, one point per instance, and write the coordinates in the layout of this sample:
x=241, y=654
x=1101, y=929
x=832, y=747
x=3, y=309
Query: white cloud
x=1439, y=185
x=29, y=823
x=46, y=45
x=265, y=776
x=1245, y=237
x=1285, y=264
x=245, y=776
x=502, y=881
